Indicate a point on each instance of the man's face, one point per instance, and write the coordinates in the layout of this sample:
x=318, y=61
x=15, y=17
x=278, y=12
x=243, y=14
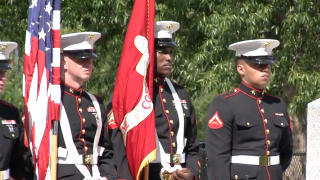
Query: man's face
x=255, y=75
x=3, y=78
x=163, y=61
x=79, y=70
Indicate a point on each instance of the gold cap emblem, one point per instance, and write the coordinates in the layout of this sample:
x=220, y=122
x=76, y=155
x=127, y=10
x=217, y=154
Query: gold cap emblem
x=170, y=26
x=3, y=47
x=267, y=44
x=91, y=36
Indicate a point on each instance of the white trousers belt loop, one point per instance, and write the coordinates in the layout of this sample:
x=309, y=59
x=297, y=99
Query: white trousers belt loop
x=256, y=160
x=5, y=174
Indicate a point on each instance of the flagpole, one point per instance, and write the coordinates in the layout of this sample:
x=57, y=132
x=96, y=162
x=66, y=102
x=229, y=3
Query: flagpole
x=146, y=172
x=54, y=151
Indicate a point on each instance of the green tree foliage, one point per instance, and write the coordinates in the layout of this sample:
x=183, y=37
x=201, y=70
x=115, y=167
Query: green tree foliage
x=202, y=63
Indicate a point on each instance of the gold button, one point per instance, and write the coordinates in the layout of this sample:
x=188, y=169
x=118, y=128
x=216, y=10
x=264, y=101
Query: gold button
x=79, y=100
x=164, y=100
x=281, y=124
x=262, y=110
x=155, y=80
x=248, y=124
x=71, y=90
x=235, y=90
x=161, y=89
x=236, y=177
x=268, y=142
x=172, y=133
x=167, y=111
x=83, y=120
x=82, y=139
x=80, y=110
x=259, y=101
x=173, y=144
x=266, y=121
x=268, y=131
x=184, y=114
x=12, y=135
x=253, y=92
x=83, y=131
x=268, y=153
x=85, y=148
x=263, y=92
x=171, y=122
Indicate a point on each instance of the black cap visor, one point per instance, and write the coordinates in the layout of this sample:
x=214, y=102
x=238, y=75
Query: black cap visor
x=5, y=64
x=258, y=59
x=81, y=54
x=164, y=42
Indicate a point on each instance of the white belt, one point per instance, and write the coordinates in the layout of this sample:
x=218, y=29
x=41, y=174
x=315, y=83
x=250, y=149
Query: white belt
x=256, y=160
x=171, y=158
x=65, y=158
x=5, y=174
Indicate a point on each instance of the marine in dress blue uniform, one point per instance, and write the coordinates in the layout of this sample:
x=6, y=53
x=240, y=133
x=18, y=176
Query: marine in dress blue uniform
x=181, y=165
x=84, y=115
x=248, y=130
x=177, y=143
x=15, y=157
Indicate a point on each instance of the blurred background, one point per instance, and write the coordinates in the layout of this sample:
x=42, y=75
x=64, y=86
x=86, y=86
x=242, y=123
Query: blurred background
x=202, y=62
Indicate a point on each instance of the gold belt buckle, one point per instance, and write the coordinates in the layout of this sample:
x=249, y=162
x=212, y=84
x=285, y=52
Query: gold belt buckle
x=175, y=158
x=264, y=161
x=86, y=159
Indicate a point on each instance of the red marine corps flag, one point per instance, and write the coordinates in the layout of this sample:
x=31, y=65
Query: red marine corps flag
x=132, y=98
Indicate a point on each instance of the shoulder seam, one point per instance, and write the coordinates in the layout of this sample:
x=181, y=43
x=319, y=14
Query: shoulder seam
x=8, y=104
x=232, y=94
x=225, y=92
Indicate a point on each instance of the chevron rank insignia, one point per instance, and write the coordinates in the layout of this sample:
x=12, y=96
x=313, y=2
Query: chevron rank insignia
x=215, y=121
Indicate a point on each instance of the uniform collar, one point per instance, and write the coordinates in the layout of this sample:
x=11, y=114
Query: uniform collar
x=159, y=81
x=70, y=90
x=250, y=91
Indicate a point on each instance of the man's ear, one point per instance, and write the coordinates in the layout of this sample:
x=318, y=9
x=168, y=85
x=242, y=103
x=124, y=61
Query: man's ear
x=64, y=62
x=240, y=67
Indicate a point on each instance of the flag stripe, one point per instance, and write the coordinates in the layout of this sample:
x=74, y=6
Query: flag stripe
x=41, y=81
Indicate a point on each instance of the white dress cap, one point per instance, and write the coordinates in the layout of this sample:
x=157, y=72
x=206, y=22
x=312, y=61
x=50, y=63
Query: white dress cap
x=5, y=49
x=257, y=47
x=165, y=29
x=79, y=41
x=79, y=45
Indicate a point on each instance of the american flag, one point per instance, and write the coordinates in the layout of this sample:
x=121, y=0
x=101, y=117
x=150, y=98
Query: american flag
x=41, y=80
